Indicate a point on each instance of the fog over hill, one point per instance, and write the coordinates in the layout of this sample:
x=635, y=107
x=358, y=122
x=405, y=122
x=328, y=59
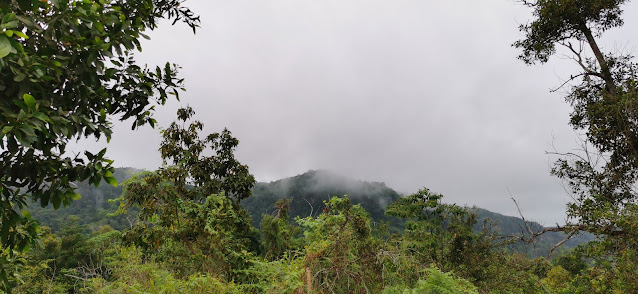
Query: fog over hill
x=307, y=192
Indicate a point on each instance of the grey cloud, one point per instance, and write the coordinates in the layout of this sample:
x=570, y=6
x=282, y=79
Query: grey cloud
x=410, y=93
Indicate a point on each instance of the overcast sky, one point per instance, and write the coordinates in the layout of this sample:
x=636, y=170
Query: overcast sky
x=412, y=93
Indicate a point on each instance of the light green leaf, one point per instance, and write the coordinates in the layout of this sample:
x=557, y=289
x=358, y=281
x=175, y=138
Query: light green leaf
x=7, y=129
x=5, y=46
x=29, y=100
x=21, y=34
x=26, y=214
x=111, y=180
x=9, y=33
x=71, y=195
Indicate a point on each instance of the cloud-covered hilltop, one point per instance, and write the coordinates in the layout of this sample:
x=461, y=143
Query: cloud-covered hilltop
x=308, y=191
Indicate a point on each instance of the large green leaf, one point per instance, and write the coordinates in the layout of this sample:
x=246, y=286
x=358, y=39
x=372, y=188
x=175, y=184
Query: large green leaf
x=8, y=17
x=29, y=100
x=56, y=201
x=111, y=180
x=5, y=46
x=20, y=34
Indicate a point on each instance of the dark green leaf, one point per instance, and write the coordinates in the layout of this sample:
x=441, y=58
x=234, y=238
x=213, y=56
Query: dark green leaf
x=8, y=17
x=19, y=77
x=56, y=201
x=41, y=116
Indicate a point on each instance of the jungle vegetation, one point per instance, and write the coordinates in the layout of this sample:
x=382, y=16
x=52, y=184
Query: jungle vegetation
x=67, y=70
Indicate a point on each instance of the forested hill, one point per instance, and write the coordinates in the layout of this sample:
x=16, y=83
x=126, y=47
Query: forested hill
x=92, y=210
x=307, y=192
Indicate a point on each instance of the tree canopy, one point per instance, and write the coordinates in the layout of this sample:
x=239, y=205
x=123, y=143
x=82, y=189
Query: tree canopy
x=600, y=177
x=193, y=200
x=66, y=72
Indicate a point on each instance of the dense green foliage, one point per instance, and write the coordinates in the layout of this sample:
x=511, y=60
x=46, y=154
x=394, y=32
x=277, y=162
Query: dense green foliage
x=187, y=227
x=193, y=202
x=339, y=249
x=307, y=191
x=66, y=72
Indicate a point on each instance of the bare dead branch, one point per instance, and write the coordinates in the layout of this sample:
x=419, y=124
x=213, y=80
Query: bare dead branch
x=578, y=58
x=529, y=229
x=571, y=229
x=573, y=77
x=528, y=3
x=311, y=208
x=569, y=236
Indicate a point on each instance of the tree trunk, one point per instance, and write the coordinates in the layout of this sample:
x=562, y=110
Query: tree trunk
x=604, y=67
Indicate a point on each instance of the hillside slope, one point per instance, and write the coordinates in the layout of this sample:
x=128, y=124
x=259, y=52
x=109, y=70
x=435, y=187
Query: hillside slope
x=510, y=226
x=90, y=211
x=307, y=192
